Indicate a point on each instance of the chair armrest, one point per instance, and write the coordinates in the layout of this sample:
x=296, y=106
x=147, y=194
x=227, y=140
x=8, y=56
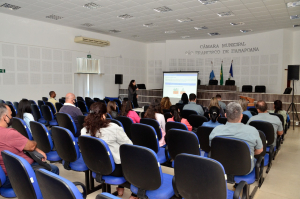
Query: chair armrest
x=167, y=154
x=242, y=186
x=83, y=188
x=37, y=157
x=175, y=188
x=259, y=167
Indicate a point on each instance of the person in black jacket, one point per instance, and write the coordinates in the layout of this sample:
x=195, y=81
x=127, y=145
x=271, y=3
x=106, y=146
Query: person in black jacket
x=132, y=95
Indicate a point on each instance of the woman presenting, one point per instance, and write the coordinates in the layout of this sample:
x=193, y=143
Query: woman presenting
x=132, y=96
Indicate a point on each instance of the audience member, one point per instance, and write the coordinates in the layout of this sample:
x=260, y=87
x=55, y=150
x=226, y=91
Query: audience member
x=112, y=109
x=244, y=105
x=193, y=106
x=165, y=103
x=221, y=104
x=184, y=99
x=70, y=108
x=15, y=142
x=96, y=125
x=176, y=117
x=215, y=102
x=52, y=99
x=127, y=111
x=235, y=129
x=25, y=112
x=154, y=112
x=263, y=115
x=278, y=110
x=214, y=114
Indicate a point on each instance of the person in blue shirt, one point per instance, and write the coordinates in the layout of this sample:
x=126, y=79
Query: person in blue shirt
x=244, y=105
x=214, y=114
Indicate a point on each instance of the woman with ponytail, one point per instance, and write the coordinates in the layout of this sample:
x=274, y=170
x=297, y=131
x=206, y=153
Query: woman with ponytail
x=176, y=117
x=278, y=110
x=214, y=114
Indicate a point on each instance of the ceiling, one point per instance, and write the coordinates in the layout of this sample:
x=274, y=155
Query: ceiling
x=258, y=15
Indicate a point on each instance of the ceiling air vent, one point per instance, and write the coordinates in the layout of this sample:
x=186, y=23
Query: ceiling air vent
x=90, y=41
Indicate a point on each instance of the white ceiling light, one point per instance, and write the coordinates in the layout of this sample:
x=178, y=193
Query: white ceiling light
x=55, y=17
x=170, y=31
x=294, y=17
x=245, y=31
x=114, y=31
x=237, y=24
x=213, y=33
x=226, y=14
x=91, y=5
x=9, y=6
x=126, y=16
x=207, y=2
x=149, y=25
x=184, y=20
x=293, y=4
x=185, y=37
x=162, y=9
x=201, y=28
x=297, y=25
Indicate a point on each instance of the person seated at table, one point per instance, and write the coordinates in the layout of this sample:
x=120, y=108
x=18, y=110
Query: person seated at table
x=127, y=111
x=244, y=105
x=112, y=109
x=214, y=102
x=214, y=114
x=176, y=117
x=278, y=110
x=193, y=106
x=165, y=103
x=184, y=99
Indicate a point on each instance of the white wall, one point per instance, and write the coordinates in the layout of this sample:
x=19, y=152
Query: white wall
x=39, y=57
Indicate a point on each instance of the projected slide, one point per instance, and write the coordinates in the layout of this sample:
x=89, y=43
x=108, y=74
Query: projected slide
x=177, y=83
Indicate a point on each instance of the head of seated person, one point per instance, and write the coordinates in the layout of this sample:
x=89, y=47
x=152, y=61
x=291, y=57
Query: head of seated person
x=184, y=98
x=261, y=106
x=214, y=114
x=193, y=97
x=234, y=113
x=219, y=98
x=165, y=103
x=52, y=94
x=70, y=98
x=112, y=108
x=175, y=112
x=277, y=106
x=24, y=108
x=243, y=103
x=126, y=107
x=213, y=102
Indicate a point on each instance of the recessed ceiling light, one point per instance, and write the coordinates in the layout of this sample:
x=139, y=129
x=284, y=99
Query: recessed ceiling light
x=9, y=6
x=55, y=17
x=294, y=17
x=237, y=24
x=207, y=2
x=91, y=5
x=87, y=24
x=213, y=33
x=201, y=28
x=244, y=31
x=226, y=14
x=293, y=4
x=184, y=20
x=148, y=25
x=162, y=9
x=126, y=16
x=185, y=37
x=297, y=25
x=114, y=31
x=170, y=31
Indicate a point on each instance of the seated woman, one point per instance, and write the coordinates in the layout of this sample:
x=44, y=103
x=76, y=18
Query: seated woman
x=214, y=102
x=112, y=109
x=165, y=103
x=127, y=111
x=214, y=114
x=25, y=112
x=184, y=99
x=96, y=125
x=278, y=110
x=176, y=117
x=244, y=105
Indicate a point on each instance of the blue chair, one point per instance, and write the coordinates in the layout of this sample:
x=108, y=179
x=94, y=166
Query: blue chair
x=80, y=98
x=48, y=115
x=82, y=105
x=186, y=113
x=36, y=112
x=145, y=135
x=16, y=105
x=21, y=176
x=116, y=122
x=13, y=110
x=2, y=101
x=197, y=176
x=126, y=122
x=203, y=133
x=52, y=107
x=32, y=102
x=154, y=123
x=108, y=116
x=66, y=121
x=58, y=106
x=44, y=141
x=45, y=99
x=21, y=127
x=5, y=192
x=106, y=196
x=62, y=101
x=98, y=158
x=8, y=102
x=175, y=125
x=40, y=103
x=55, y=186
x=222, y=120
x=142, y=170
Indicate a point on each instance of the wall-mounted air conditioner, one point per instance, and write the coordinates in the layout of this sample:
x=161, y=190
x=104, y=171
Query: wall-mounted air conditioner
x=88, y=65
x=91, y=41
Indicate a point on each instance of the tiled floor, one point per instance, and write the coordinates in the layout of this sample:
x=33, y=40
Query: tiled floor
x=282, y=182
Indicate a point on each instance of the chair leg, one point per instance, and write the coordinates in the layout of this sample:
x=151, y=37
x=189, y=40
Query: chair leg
x=89, y=183
x=253, y=192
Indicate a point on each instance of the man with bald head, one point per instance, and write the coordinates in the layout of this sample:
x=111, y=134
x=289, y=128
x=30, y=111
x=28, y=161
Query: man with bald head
x=70, y=108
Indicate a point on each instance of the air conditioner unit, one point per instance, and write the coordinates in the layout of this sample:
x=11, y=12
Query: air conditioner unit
x=87, y=65
x=90, y=41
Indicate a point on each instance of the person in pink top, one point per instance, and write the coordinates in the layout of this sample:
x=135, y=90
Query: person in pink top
x=127, y=111
x=176, y=117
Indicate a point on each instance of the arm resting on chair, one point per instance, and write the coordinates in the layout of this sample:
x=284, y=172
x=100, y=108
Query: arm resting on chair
x=83, y=188
x=242, y=186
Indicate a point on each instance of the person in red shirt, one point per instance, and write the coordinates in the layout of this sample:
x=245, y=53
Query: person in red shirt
x=15, y=142
x=176, y=117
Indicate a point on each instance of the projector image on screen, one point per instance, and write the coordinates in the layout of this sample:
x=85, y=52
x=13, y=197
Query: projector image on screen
x=177, y=83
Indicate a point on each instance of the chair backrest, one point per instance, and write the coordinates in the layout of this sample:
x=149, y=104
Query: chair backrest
x=40, y=103
x=265, y=127
x=222, y=120
x=260, y=89
x=96, y=99
x=8, y=102
x=51, y=106
x=96, y=155
x=167, y=115
x=229, y=82
x=21, y=176
x=16, y=105
x=61, y=100
x=180, y=106
x=253, y=110
x=196, y=120
x=213, y=82
x=79, y=98
x=247, y=88
x=42, y=136
x=36, y=112
x=186, y=113
x=55, y=186
x=47, y=113
x=199, y=176
x=58, y=106
x=144, y=135
x=166, y=111
x=203, y=133
x=87, y=98
x=140, y=168
x=21, y=127
x=45, y=99
x=118, y=102
x=154, y=123
x=2, y=101
x=280, y=117
x=66, y=121
x=13, y=110
x=264, y=142
x=80, y=120
x=32, y=102
x=82, y=106
x=288, y=90
x=89, y=103
x=65, y=144
x=106, y=100
x=126, y=122
x=116, y=122
x=245, y=119
x=175, y=125
x=233, y=154
x=181, y=141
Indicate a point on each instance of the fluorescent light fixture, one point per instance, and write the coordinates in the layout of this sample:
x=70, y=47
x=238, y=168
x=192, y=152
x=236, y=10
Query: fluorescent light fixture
x=87, y=24
x=294, y=17
x=226, y=14
x=125, y=16
x=55, y=17
x=213, y=33
x=10, y=6
x=184, y=20
x=149, y=25
x=91, y=5
x=293, y=4
x=201, y=28
x=162, y=9
x=237, y=24
x=244, y=31
x=207, y=2
x=185, y=37
x=297, y=25
x=170, y=31
x=114, y=31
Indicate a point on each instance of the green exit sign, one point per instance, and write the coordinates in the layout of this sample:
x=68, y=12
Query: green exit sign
x=2, y=70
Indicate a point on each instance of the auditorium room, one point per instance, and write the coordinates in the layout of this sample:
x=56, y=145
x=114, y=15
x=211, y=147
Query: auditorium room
x=149, y=99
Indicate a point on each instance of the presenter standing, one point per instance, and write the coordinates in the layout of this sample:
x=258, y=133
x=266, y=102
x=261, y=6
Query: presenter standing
x=132, y=95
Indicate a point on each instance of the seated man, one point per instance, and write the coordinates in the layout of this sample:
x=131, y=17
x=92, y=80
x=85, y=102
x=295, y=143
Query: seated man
x=235, y=129
x=263, y=115
x=72, y=110
x=221, y=104
x=193, y=106
x=52, y=98
x=15, y=142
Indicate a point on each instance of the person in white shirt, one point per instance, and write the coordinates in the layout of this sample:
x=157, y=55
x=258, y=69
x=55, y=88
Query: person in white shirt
x=25, y=112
